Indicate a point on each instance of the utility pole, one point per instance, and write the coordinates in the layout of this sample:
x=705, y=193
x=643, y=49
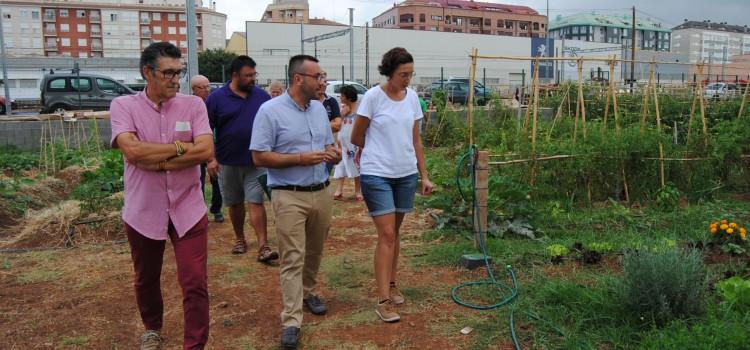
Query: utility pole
x=351, y=43
x=367, y=54
x=192, y=37
x=8, y=110
x=548, y=47
x=724, y=61
x=301, y=38
x=633, y=42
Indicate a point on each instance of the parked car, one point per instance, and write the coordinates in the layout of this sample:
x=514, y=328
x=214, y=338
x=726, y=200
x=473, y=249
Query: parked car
x=215, y=86
x=334, y=89
x=13, y=104
x=720, y=90
x=457, y=90
x=60, y=92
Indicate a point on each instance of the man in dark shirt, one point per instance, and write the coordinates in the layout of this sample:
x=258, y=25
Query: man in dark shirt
x=231, y=112
x=332, y=108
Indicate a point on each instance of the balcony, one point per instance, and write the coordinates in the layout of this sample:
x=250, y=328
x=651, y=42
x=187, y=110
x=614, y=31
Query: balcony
x=50, y=18
x=50, y=32
x=95, y=18
x=145, y=34
x=96, y=47
x=96, y=33
x=50, y=46
x=145, y=20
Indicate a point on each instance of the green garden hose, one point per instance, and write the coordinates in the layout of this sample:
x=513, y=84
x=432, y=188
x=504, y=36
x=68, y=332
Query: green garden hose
x=511, y=292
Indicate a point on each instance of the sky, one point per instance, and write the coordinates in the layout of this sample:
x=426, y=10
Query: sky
x=669, y=12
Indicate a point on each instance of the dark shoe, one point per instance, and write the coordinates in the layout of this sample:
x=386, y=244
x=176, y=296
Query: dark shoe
x=266, y=254
x=315, y=305
x=289, y=338
x=218, y=217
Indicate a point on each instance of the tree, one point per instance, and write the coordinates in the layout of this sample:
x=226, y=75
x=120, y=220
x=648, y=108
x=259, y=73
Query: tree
x=210, y=63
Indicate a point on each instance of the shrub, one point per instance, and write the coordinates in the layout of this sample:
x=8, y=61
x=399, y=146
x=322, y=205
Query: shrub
x=660, y=286
x=736, y=292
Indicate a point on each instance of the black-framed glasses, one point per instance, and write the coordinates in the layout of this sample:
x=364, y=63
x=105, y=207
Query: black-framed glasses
x=318, y=77
x=169, y=74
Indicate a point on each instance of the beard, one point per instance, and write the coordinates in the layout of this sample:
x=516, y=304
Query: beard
x=246, y=87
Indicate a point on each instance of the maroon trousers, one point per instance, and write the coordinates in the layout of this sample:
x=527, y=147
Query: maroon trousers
x=191, y=252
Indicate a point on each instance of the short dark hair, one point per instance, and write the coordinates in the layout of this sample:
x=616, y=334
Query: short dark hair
x=392, y=59
x=349, y=92
x=150, y=55
x=241, y=61
x=296, y=62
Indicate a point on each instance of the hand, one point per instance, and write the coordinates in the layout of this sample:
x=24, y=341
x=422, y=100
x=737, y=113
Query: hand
x=312, y=158
x=213, y=169
x=357, y=156
x=427, y=186
x=333, y=154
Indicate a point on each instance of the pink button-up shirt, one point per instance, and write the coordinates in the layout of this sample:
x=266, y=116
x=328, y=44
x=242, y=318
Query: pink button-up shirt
x=152, y=198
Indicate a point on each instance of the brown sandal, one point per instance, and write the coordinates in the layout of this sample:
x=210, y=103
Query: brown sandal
x=240, y=247
x=265, y=254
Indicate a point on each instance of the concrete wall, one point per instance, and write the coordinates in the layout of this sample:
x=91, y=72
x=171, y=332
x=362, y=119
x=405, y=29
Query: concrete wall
x=272, y=44
x=27, y=135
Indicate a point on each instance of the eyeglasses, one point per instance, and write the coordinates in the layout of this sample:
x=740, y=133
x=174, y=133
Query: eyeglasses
x=318, y=77
x=407, y=75
x=169, y=74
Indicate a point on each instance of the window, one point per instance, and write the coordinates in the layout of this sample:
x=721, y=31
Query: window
x=536, y=26
x=183, y=18
x=487, y=22
x=157, y=29
x=113, y=17
x=65, y=41
x=183, y=30
x=80, y=84
x=182, y=44
x=509, y=24
x=156, y=16
x=82, y=42
x=107, y=85
x=49, y=14
x=35, y=14
x=437, y=18
x=171, y=17
x=422, y=17
x=24, y=13
x=95, y=28
x=172, y=30
x=63, y=13
x=6, y=15
x=81, y=13
x=82, y=28
x=64, y=27
x=57, y=84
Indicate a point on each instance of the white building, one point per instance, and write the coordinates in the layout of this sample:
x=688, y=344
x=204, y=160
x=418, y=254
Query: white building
x=708, y=41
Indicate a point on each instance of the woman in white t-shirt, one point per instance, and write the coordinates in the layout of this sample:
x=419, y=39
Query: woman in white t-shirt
x=391, y=156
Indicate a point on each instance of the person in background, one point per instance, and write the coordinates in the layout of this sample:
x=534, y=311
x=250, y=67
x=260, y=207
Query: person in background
x=346, y=168
x=387, y=132
x=332, y=109
x=201, y=88
x=276, y=88
x=164, y=137
x=231, y=111
x=293, y=139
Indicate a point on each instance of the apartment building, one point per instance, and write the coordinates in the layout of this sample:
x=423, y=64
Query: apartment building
x=104, y=28
x=710, y=41
x=609, y=29
x=463, y=16
x=287, y=11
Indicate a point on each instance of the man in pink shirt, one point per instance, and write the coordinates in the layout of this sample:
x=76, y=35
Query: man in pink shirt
x=164, y=137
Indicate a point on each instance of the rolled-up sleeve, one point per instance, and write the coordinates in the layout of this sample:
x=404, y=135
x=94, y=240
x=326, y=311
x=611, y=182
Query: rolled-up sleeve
x=200, y=119
x=121, y=121
x=264, y=131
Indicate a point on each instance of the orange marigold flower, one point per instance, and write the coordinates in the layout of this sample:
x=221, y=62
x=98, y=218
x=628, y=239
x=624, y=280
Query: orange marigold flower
x=743, y=235
x=724, y=226
x=730, y=231
x=733, y=225
x=713, y=230
x=723, y=221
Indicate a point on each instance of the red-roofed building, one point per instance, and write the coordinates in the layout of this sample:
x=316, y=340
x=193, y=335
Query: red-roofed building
x=464, y=16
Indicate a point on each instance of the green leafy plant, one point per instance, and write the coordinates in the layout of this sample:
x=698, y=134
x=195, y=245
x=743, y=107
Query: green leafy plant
x=667, y=198
x=735, y=291
x=658, y=287
x=557, y=252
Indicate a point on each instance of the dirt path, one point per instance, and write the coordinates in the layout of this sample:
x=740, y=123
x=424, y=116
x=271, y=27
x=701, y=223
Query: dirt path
x=83, y=298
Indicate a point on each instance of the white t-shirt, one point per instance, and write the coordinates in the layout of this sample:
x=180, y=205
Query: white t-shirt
x=389, y=145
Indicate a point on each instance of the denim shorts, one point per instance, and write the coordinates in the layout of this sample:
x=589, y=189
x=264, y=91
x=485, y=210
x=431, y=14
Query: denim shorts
x=384, y=195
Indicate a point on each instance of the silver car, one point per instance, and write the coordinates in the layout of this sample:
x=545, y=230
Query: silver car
x=64, y=92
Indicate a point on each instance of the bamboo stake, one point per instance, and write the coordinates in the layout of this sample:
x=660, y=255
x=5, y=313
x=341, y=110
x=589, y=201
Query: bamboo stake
x=62, y=128
x=534, y=96
x=558, y=115
x=582, y=101
x=534, y=124
x=614, y=95
x=744, y=100
x=692, y=113
x=470, y=103
x=606, y=105
x=658, y=125
x=702, y=101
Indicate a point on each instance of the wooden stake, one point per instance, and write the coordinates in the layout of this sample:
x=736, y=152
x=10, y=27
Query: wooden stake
x=470, y=102
x=581, y=100
x=744, y=100
x=658, y=125
x=558, y=115
x=481, y=180
x=702, y=101
x=614, y=94
x=534, y=125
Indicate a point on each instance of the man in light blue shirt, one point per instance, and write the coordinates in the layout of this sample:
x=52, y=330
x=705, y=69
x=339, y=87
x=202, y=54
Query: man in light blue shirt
x=292, y=138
